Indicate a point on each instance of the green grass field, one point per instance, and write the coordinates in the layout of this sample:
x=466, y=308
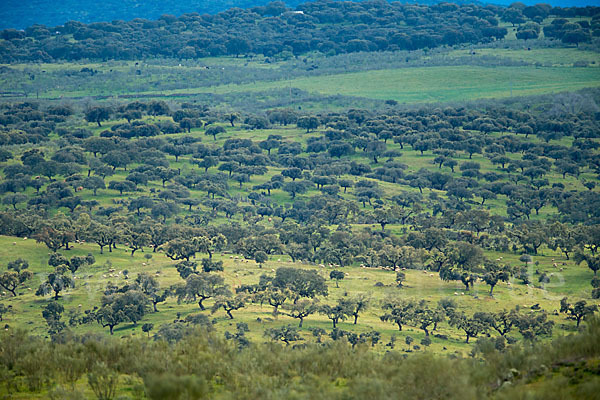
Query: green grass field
x=557, y=57
x=428, y=84
x=470, y=74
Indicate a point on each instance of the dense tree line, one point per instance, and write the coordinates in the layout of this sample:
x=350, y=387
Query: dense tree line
x=274, y=29
x=18, y=16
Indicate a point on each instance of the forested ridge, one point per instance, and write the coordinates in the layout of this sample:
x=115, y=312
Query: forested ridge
x=20, y=15
x=329, y=27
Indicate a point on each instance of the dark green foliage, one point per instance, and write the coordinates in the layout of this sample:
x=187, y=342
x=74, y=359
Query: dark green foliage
x=596, y=287
x=592, y=260
x=302, y=283
x=52, y=313
x=285, y=334
x=209, y=265
x=462, y=262
x=94, y=183
x=214, y=131
x=122, y=186
x=237, y=32
x=16, y=275
x=302, y=309
x=308, y=123
x=260, y=257
x=339, y=312
x=397, y=311
x=229, y=304
x=56, y=282
x=533, y=324
x=471, y=326
x=98, y=114
x=76, y=262
x=337, y=275
x=240, y=335
x=4, y=310
x=150, y=287
x=202, y=286
x=400, y=277
x=578, y=311
x=119, y=306
x=147, y=327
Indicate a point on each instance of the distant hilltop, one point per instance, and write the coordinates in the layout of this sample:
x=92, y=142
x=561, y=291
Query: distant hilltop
x=21, y=14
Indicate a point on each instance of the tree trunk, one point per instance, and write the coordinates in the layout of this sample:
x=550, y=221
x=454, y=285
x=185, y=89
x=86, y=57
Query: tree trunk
x=201, y=305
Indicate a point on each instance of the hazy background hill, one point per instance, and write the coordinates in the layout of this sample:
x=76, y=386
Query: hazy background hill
x=21, y=14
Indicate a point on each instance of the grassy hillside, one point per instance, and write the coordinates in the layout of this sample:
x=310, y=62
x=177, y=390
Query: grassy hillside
x=441, y=75
x=571, y=281
x=435, y=84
